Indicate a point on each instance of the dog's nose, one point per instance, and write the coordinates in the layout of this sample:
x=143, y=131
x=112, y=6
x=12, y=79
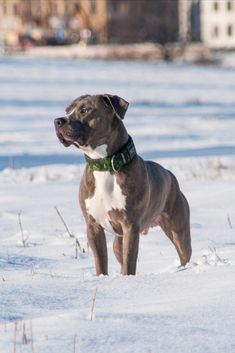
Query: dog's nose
x=59, y=122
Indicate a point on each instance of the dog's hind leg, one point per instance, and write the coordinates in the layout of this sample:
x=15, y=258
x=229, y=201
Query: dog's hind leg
x=176, y=225
x=117, y=248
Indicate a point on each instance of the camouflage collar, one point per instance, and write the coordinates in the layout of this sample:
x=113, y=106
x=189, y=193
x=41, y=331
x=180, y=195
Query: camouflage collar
x=115, y=162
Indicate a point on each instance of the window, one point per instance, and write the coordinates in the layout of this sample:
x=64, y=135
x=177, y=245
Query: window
x=120, y=8
x=93, y=6
x=124, y=8
x=230, y=30
x=215, y=32
x=54, y=8
x=4, y=8
x=216, y=6
x=114, y=7
x=229, y=5
x=15, y=9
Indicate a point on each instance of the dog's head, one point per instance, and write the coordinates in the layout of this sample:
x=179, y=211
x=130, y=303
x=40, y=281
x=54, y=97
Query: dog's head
x=89, y=120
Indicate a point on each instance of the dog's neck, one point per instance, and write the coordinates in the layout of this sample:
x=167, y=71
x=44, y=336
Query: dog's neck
x=115, y=162
x=112, y=156
x=117, y=139
x=114, y=143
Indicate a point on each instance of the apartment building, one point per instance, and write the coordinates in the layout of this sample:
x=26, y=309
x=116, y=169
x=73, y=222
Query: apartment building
x=57, y=20
x=107, y=21
x=10, y=21
x=218, y=23
x=210, y=21
x=142, y=20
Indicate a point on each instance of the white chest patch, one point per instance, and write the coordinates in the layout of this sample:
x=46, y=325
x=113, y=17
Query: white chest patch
x=108, y=196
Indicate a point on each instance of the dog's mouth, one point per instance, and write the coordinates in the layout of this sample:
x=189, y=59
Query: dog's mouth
x=63, y=139
x=68, y=141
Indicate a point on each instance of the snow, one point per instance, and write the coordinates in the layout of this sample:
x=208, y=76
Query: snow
x=181, y=116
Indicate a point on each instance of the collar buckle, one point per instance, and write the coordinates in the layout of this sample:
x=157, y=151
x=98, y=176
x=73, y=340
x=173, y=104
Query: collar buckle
x=113, y=166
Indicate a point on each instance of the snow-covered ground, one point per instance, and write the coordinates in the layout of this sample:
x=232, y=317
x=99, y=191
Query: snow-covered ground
x=181, y=116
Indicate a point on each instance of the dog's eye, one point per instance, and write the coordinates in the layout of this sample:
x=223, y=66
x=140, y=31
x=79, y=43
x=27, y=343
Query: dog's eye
x=84, y=110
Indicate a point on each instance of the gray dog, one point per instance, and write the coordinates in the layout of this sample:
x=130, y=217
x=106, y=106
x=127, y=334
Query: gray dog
x=119, y=192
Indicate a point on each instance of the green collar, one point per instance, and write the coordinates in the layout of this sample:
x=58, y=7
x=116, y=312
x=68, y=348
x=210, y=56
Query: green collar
x=115, y=162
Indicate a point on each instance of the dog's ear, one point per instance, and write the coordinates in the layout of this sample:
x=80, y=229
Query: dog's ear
x=118, y=104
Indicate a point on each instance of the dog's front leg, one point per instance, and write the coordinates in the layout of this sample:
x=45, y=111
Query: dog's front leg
x=97, y=242
x=130, y=249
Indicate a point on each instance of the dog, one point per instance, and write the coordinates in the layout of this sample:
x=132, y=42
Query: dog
x=119, y=191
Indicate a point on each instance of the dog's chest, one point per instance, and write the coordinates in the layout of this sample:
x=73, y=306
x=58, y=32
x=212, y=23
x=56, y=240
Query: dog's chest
x=107, y=196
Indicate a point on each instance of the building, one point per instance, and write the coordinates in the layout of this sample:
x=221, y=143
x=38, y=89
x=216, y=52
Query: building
x=53, y=21
x=10, y=21
x=189, y=21
x=218, y=23
x=103, y=21
x=131, y=21
x=211, y=22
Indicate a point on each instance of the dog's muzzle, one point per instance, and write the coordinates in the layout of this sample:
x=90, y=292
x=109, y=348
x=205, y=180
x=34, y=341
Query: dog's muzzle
x=65, y=134
x=59, y=123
